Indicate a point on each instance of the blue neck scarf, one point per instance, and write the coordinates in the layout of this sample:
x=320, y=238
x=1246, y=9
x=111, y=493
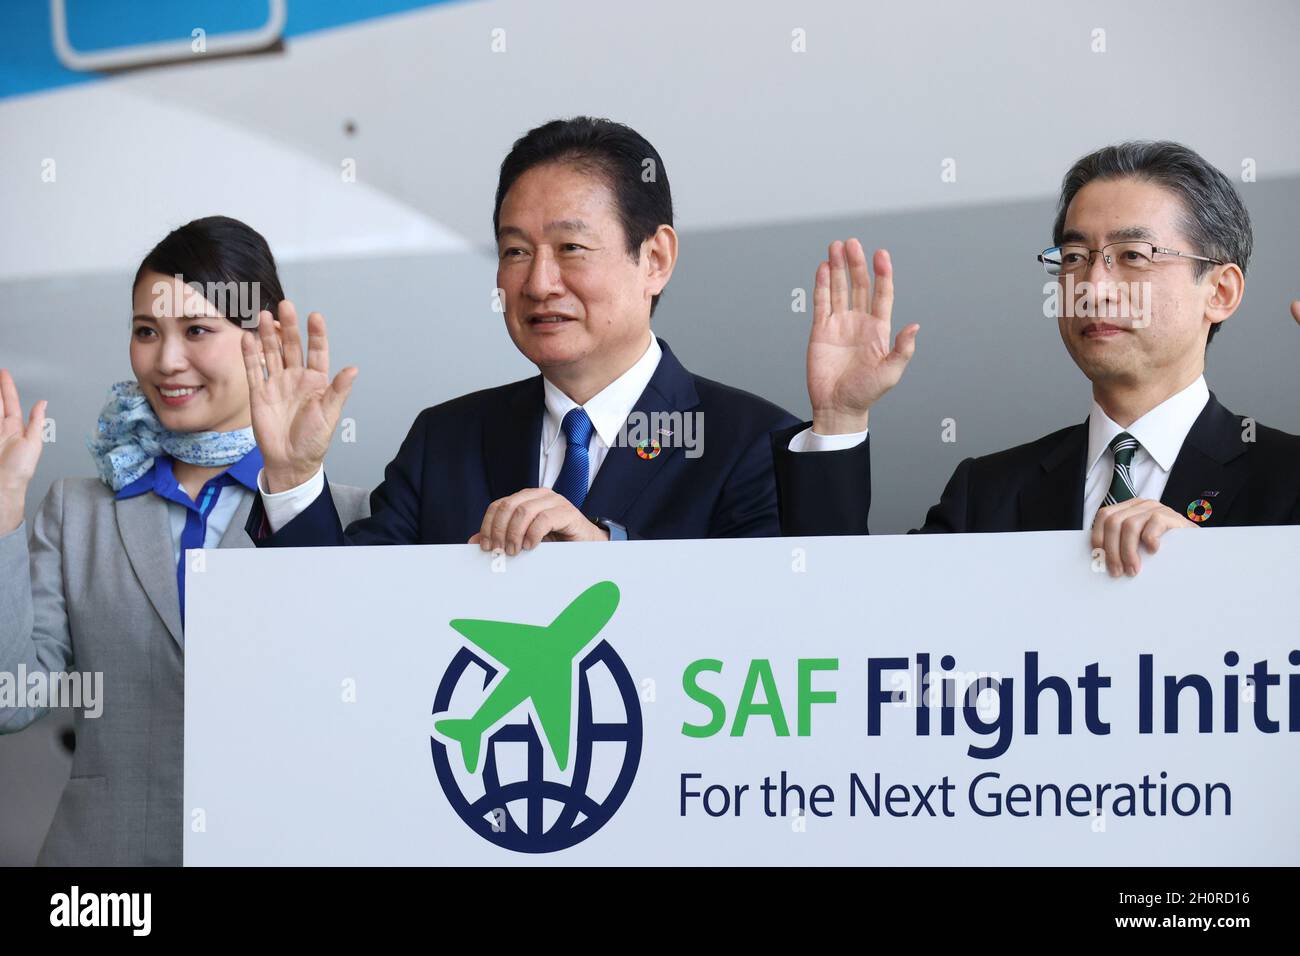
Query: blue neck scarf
x=129, y=437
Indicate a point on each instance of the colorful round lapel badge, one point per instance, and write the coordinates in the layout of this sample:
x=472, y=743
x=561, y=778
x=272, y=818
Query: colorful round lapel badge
x=648, y=449
x=1199, y=510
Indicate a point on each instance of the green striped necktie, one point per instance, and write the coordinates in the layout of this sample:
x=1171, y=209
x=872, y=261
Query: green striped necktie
x=1124, y=446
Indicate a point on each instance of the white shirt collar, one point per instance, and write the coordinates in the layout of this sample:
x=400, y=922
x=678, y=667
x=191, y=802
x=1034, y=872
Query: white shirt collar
x=1161, y=431
x=609, y=408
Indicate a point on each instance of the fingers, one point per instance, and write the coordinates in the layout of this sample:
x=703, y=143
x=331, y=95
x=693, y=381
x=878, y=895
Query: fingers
x=904, y=346
x=1099, y=523
x=556, y=519
x=1106, y=529
x=337, y=394
x=858, y=273
x=523, y=520
x=270, y=341
x=1122, y=530
x=509, y=523
x=552, y=519
x=516, y=524
x=253, y=368
x=318, y=348
x=1153, y=532
x=896, y=361
x=839, y=278
x=485, y=527
x=848, y=261
x=1146, y=528
x=1110, y=544
x=36, y=424
x=1295, y=310
x=882, y=296
x=822, y=293
x=11, y=411
x=290, y=337
x=491, y=531
x=488, y=538
x=9, y=404
x=484, y=533
x=1130, y=534
x=521, y=525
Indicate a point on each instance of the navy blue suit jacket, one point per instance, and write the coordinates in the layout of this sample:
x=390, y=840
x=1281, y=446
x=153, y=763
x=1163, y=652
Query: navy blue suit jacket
x=464, y=454
x=1249, y=473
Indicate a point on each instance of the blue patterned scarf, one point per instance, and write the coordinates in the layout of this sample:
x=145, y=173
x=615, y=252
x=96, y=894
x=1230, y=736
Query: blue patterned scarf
x=129, y=437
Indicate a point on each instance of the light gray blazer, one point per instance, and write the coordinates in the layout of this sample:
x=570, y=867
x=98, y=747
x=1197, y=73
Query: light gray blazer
x=101, y=596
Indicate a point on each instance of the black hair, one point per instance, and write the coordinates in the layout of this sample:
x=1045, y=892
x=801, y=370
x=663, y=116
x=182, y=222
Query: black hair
x=632, y=169
x=1214, y=218
x=210, y=255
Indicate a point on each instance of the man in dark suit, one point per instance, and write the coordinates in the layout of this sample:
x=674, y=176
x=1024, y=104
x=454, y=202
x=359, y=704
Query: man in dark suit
x=613, y=440
x=1151, y=247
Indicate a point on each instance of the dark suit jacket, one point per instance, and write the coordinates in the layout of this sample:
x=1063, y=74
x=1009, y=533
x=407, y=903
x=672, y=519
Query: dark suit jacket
x=464, y=454
x=1039, y=486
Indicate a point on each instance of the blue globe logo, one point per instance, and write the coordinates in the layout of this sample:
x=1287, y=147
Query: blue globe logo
x=512, y=797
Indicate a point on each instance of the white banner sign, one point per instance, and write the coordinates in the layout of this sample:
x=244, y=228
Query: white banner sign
x=960, y=699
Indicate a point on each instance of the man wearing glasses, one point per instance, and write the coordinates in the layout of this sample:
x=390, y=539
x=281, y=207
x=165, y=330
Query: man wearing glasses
x=1151, y=247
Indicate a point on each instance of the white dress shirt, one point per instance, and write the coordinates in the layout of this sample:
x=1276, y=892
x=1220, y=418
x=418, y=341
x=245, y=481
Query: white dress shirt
x=608, y=411
x=1160, y=434
x=809, y=440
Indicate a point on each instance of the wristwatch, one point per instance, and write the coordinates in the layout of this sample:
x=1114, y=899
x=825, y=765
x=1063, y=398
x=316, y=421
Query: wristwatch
x=616, y=531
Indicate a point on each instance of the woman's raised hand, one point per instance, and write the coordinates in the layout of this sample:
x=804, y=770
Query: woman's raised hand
x=295, y=407
x=20, y=450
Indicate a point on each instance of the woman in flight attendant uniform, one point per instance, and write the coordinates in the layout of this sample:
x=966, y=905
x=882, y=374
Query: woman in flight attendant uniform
x=96, y=586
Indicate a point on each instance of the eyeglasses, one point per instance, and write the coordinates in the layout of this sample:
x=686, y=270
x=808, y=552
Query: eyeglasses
x=1131, y=256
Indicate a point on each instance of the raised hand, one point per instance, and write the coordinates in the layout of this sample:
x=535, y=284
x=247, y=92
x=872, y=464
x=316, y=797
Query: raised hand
x=850, y=363
x=295, y=407
x=20, y=450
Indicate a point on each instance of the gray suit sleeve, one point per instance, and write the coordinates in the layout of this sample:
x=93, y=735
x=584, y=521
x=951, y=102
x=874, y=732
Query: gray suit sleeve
x=34, y=634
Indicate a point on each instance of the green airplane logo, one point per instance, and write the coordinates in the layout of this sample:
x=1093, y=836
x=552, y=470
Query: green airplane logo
x=539, y=668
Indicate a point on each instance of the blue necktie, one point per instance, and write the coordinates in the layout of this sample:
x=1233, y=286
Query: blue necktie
x=575, y=472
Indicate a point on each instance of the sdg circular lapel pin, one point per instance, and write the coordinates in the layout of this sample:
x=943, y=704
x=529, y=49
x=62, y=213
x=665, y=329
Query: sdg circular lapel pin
x=1200, y=510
